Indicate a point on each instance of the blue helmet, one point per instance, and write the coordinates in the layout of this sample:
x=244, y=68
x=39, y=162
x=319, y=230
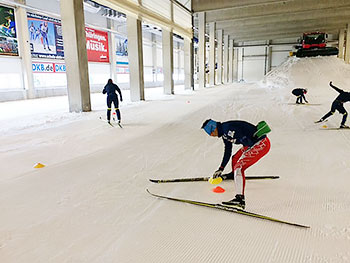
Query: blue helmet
x=209, y=126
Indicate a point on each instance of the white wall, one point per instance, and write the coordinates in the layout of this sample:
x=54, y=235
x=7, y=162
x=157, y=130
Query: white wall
x=10, y=74
x=251, y=60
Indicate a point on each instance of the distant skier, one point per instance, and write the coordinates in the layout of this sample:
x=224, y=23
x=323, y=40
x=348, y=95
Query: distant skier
x=44, y=31
x=338, y=104
x=32, y=31
x=110, y=89
x=255, y=146
x=300, y=95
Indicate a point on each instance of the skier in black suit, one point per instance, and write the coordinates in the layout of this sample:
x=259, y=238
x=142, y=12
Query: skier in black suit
x=110, y=89
x=338, y=104
x=300, y=95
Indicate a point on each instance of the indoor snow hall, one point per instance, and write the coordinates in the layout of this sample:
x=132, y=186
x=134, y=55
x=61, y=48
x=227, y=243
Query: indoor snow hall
x=174, y=131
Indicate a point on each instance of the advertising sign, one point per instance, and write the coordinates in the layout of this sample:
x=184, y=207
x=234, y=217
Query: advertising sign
x=121, y=46
x=45, y=35
x=97, y=45
x=8, y=38
x=47, y=67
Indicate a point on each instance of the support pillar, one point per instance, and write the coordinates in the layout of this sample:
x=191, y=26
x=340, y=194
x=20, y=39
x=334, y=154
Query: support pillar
x=168, y=61
x=212, y=55
x=24, y=50
x=347, y=46
x=74, y=39
x=268, y=58
x=341, y=43
x=135, y=56
x=201, y=50
x=188, y=63
x=225, y=61
x=235, y=65
x=230, y=61
x=112, y=51
x=219, y=70
x=179, y=66
x=154, y=57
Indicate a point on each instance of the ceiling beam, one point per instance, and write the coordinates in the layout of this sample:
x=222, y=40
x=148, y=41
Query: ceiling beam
x=279, y=34
x=282, y=18
x=286, y=7
x=340, y=23
x=207, y=5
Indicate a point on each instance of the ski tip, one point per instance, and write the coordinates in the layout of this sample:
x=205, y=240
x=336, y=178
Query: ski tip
x=148, y=191
x=153, y=180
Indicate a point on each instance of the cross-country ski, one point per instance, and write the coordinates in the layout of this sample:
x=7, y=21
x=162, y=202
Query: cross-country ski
x=334, y=128
x=206, y=178
x=228, y=209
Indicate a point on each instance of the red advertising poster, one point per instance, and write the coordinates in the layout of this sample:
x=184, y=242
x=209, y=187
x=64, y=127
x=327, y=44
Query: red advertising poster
x=97, y=45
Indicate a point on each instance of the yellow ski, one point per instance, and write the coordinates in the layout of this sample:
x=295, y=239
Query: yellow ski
x=228, y=208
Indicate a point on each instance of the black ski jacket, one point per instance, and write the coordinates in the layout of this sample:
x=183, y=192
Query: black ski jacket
x=236, y=132
x=110, y=89
x=298, y=92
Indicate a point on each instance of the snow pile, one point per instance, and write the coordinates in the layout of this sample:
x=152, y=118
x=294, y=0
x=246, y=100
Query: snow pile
x=310, y=73
x=313, y=74
x=280, y=77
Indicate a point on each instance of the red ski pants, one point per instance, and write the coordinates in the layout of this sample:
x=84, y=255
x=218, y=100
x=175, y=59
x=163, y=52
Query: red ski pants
x=246, y=157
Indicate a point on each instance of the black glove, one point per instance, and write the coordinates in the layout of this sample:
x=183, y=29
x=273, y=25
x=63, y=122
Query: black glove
x=217, y=174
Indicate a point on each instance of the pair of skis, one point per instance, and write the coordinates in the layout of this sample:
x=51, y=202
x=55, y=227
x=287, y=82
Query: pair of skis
x=220, y=206
x=111, y=123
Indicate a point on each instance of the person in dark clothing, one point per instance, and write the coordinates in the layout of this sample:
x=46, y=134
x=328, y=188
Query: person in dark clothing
x=300, y=95
x=338, y=104
x=255, y=145
x=110, y=89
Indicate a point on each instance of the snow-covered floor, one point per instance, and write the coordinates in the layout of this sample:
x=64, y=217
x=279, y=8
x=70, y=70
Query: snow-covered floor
x=89, y=204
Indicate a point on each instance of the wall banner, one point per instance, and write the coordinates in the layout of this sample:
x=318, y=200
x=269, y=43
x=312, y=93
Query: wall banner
x=121, y=46
x=97, y=45
x=8, y=38
x=45, y=35
x=47, y=67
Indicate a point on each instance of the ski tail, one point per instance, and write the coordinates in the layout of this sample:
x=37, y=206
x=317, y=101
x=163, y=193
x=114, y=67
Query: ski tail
x=201, y=179
x=228, y=209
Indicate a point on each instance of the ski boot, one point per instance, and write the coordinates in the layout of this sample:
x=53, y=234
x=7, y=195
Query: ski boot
x=238, y=201
x=320, y=120
x=343, y=126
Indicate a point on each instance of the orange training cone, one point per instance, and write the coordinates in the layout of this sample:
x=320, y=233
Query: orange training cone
x=39, y=165
x=218, y=189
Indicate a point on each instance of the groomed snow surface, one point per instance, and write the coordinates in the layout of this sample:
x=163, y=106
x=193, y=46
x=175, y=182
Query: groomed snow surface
x=89, y=204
